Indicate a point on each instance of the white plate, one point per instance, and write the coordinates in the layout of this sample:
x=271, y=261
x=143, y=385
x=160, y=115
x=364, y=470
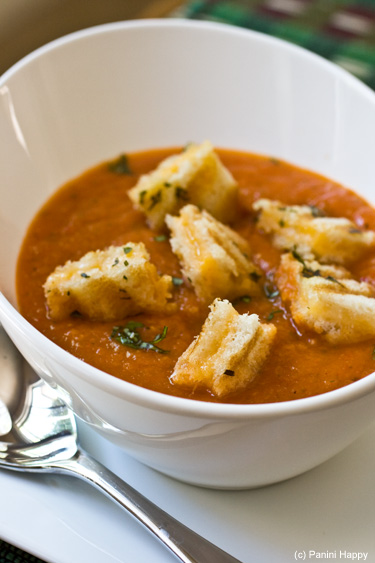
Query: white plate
x=63, y=520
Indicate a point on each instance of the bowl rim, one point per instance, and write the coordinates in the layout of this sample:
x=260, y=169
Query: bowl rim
x=177, y=405
x=132, y=392
x=202, y=25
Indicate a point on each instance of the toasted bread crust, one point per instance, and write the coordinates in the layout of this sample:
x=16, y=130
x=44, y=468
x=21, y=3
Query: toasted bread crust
x=228, y=353
x=329, y=239
x=213, y=257
x=107, y=285
x=197, y=176
x=326, y=300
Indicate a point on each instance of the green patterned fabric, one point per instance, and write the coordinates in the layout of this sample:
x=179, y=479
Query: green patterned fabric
x=342, y=31
x=11, y=554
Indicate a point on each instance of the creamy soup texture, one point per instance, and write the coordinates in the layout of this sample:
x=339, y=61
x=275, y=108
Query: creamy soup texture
x=93, y=212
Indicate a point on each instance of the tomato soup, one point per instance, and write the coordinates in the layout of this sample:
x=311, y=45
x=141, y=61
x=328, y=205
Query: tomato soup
x=93, y=212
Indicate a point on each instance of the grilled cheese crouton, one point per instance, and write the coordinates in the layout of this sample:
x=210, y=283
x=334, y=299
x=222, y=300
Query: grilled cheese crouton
x=196, y=175
x=227, y=354
x=213, y=257
x=325, y=299
x=108, y=284
x=330, y=239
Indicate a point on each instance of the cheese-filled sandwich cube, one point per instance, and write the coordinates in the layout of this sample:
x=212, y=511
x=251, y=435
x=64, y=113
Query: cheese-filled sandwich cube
x=325, y=299
x=108, y=284
x=213, y=257
x=227, y=354
x=195, y=175
x=329, y=239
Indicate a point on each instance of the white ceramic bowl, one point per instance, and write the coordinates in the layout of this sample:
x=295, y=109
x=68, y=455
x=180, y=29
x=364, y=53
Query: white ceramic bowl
x=136, y=85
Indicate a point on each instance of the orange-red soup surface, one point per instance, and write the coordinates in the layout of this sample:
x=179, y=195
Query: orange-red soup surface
x=93, y=211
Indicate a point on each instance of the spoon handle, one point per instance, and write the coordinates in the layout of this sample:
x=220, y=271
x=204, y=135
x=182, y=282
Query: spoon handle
x=188, y=546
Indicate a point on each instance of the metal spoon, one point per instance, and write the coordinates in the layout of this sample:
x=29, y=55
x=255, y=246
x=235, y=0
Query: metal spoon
x=43, y=437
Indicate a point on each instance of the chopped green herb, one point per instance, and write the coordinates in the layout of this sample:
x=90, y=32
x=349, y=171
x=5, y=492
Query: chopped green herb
x=120, y=165
x=282, y=223
x=316, y=212
x=168, y=184
x=126, y=263
x=229, y=372
x=181, y=193
x=128, y=335
x=177, y=281
x=332, y=279
x=243, y=299
x=297, y=256
x=127, y=249
x=160, y=238
x=255, y=276
x=125, y=277
x=155, y=199
x=115, y=262
x=270, y=291
x=84, y=275
x=274, y=161
x=142, y=196
x=273, y=313
x=309, y=273
x=133, y=325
